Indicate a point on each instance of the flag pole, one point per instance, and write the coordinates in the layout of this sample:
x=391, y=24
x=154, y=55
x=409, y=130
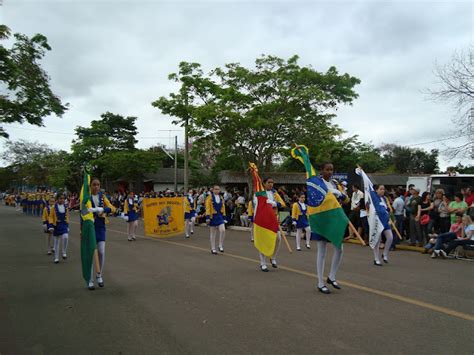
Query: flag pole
x=284, y=238
x=397, y=232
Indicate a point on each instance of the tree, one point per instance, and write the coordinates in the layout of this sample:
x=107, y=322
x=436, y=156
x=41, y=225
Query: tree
x=406, y=160
x=255, y=114
x=28, y=96
x=109, y=134
x=457, y=87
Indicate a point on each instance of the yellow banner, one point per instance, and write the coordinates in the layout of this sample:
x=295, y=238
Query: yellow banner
x=163, y=217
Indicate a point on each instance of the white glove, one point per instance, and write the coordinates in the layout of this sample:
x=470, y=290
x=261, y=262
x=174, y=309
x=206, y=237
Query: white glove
x=294, y=223
x=337, y=193
x=99, y=210
x=225, y=222
x=51, y=229
x=273, y=203
x=92, y=210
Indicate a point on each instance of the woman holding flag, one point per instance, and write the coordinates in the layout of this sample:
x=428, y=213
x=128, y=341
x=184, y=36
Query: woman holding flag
x=59, y=219
x=215, y=218
x=300, y=221
x=378, y=217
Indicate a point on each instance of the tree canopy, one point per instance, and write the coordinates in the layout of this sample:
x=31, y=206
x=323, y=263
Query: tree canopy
x=28, y=96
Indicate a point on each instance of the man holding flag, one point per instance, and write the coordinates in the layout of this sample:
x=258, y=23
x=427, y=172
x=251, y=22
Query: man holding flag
x=326, y=218
x=266, y=232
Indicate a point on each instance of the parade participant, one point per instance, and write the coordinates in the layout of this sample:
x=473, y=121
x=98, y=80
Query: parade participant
x=131, y=210
x=250, y=211
x=215, y=218
x=60, y=220
x=30, y=204
x=101, y=206
x=24, y=202
x=190, y=206
x=327, y=170
x=384, y=215
x=300, y=221
x=47, y=226
x=274, y=199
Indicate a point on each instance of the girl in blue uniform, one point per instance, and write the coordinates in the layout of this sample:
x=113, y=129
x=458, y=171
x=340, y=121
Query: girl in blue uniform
x=47, y=226
x=300, y=221
x=131, y=210
x=215, y=218
x=100, y=207
x=190, y=205
x=387, y=231
x=60, y=220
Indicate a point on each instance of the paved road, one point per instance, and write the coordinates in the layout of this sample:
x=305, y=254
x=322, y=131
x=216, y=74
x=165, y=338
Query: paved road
x=172, y=296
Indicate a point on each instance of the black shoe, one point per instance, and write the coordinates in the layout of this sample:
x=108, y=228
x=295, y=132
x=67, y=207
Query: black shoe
x=377, y=263
x=186, y=236
x=333, y=283
x=324, y=290
x=221, y=249
x=298, y=249
x=214, y=252
x=308, y=247
x=192, y=232
x=385, y=261
x=264, y=268
x=274, y=264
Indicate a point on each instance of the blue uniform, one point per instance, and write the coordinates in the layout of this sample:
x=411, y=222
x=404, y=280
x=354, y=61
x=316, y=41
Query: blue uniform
x=99, y=222
x=62, y=225
x=131, y=210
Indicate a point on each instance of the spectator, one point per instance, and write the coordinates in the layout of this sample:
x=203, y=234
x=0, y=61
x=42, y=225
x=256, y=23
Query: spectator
x=415, y=228
x=399, y=212
x=455, y=228
x=425, y=208
x=444, y=218
x=354, y=216
x=457, y=206
x=467, y=236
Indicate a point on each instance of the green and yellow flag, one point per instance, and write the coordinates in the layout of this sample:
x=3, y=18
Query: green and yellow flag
x=325, y=215
x=88, y=241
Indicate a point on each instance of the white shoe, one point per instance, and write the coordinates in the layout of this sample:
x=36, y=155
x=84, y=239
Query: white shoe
x=91, y=285
x=298, y=249
x=56, y=260
x=129, y=239
x=443, y=254
x=186, y=236
x=434, y=255
x=308, y=246
x=100, y=280
x=64, y=256
x=134, y=238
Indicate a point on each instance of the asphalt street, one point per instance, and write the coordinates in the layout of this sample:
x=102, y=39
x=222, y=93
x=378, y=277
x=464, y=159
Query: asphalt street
x=172, y=296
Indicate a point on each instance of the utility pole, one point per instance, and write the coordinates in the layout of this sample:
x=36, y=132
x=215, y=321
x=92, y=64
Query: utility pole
x=175, y=163
x=186, y=155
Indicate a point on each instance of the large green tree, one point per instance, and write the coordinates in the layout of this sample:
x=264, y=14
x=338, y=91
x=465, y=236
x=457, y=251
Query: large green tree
x=27, y=95
x=254, y=114
x=407, y=160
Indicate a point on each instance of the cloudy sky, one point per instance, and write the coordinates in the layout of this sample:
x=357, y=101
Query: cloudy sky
x=116, y=55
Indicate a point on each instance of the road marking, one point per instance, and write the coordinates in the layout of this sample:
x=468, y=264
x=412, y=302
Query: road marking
x=412, y=301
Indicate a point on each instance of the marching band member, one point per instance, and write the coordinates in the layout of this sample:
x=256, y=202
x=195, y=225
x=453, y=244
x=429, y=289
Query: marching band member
x=101, y=206
x=327, y=170
x=48, y=227
x=300, y=221
x=277, y=202
x=60, y=220
x=250, y=211
x=190, y=206
x=30, y=204
x=215, y=218
x=131, y=210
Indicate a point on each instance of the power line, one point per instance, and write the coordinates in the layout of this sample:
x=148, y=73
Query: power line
x=438, y=140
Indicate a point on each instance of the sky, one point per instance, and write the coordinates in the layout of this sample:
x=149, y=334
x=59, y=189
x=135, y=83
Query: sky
x=116, y=55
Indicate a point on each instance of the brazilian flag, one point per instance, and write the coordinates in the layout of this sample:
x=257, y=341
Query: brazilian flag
x=88, y=242
x=325, y=215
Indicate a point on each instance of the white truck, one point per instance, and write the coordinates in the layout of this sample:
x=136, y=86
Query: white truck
x=450, y=183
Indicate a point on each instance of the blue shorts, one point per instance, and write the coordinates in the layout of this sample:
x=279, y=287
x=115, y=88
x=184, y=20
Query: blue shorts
x=189, y=215
x=318, y=237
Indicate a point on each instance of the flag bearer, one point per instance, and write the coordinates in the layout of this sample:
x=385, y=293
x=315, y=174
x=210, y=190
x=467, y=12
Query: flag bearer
x=300, y=221
x=215, y=218
x=274, y=199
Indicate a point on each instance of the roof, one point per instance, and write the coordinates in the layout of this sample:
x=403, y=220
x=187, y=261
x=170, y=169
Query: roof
x=235, y=177
x=388, y=179
x=164, y=176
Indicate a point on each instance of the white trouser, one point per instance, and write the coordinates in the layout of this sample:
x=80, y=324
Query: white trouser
x=320, y=259
x=263, y=259
x=132, y=226
x=299, y=233
x=101, y=253
x=251, y=231
x=214, y=229
x=57, y=239
x=189, y=225
x=388, y=242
